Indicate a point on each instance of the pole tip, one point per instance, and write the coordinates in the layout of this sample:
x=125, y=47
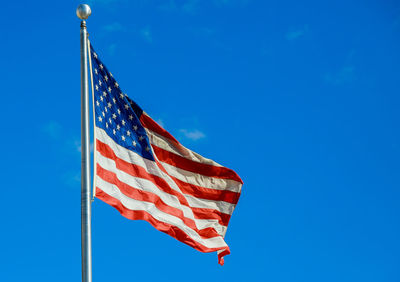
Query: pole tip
x=83, y=11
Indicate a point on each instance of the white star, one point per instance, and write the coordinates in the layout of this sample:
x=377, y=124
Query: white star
x=101, y=66
x=141, y=138
x=105, y=109
x=97, y=87
x=104, y=93
x=131, y=117
x=111, y=74
x=147, y=148
x=109, y=89
x=97, y=103
x=116, y=84
x=109, y=105
x=118, y=127
x=100, y=119
x=123, y=122
x=126, y=106
x=101, y=98
x=123, y=137
x=106, y=124
x=114, y=132
x=134, y=143
x=135, y=127
x=115, y=101
x=121, y=95
x=106, y=77
x=103, y=114
x=100, y=82
x=95, y=55
x=114, y=116
x=96, y=71
x=119, y=112
x=128, y=133
x=110, y=120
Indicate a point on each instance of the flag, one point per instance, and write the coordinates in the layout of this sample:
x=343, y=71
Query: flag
x=146, y=174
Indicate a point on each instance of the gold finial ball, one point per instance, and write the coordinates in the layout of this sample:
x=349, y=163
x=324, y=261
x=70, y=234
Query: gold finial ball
x=83, y=11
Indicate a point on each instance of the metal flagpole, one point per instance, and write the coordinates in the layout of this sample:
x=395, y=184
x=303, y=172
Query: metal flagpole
x=83, y=12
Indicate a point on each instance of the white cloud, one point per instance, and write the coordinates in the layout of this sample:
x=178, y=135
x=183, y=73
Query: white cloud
x=116, y=26
x=194, y=134
x=203, y=31
x=78, y=146
x=192, y=6
x=102, y=2
x=146, y=34
x=222, y=2
x=160, y=122
x=112, y=48
x=169, y=6
x=296, y=34
x=344, y=75
x=231, y=2
x=188, y=6
x=52, y=129
x=72, y=178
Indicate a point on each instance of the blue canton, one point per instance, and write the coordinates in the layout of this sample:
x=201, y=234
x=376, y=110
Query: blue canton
x=118, y=115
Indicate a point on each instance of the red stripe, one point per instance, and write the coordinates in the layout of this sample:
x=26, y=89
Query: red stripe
x=207, y=193
x=149, y=197
x=181, y=162
x=221, y=256
x=162, y=226
x=202, y=192
x=195, y=167
x=222, y=218
x=138, y=171
x=202, y=213
x=149, y=123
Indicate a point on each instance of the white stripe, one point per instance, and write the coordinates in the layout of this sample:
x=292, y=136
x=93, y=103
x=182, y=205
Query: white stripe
x=152, y=168
x=132, y=204
x=94, y=117
x=221, y=206
x=188, y=176
x=149, y=186
x=201, y=180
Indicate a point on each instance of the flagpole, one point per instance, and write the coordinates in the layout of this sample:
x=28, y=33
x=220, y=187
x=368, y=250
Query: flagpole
x=83, y=12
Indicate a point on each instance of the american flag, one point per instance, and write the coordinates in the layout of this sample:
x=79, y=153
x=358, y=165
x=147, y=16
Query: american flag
x=146, y=174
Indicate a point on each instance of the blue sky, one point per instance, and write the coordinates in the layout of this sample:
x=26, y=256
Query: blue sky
x=301, y=98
